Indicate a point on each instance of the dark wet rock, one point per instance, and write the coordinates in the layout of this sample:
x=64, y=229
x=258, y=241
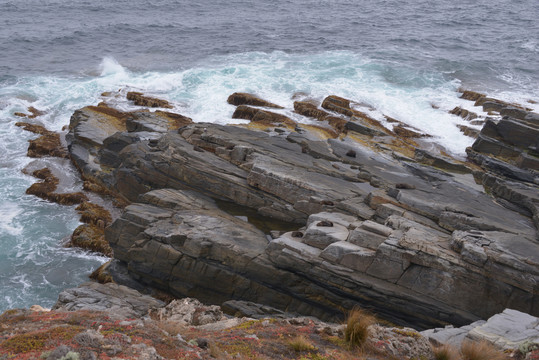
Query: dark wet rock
x=468, y=131
x=336, y=123
x=48, y=144
x=310, y=110
x=487, y=145
x=527, y=161
x=514, y=112
x=35, y=128
x=503, y=168
x=90, y=237
x=463, y=113
x=261, y=116
x=94, y=214
x=508, y=148
x=249, y=99
x=471, y=95
x=517, y=133
x=358, y=124
x=338, y=104
x=440, y=161
x=33, y=113
x=46, y=189
x=142, y=100
x=491, y=106
x=404, y=132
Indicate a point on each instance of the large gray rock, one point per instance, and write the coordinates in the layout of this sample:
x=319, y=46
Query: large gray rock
x=509, y=147
x=508, y=330
x=120, y=300
x=420, y=245
x=450, y=335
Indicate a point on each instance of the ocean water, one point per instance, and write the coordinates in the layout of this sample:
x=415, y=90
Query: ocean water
x=404, y=59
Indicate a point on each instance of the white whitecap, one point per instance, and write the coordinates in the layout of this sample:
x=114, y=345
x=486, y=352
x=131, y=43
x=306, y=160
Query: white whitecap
x=8, y=213
x=531, y=45
x=109, y=66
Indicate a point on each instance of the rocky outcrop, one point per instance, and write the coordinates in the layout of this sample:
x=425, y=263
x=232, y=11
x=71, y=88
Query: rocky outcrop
x=508, y=330
x=508, y=150
x=412, y=237
x=120, y=300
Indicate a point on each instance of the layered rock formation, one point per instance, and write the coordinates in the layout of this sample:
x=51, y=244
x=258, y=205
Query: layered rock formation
x=508, y=330
x=381, y=222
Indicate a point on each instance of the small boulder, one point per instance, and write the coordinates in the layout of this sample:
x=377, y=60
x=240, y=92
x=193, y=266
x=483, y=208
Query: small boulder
x=249, y=99
x=142, y=100
x=338, y=104
x=261, y=116
x=471, y=95
x=309, y=110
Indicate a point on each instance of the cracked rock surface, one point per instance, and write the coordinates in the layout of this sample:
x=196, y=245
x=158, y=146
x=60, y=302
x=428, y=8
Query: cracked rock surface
x=418, y=241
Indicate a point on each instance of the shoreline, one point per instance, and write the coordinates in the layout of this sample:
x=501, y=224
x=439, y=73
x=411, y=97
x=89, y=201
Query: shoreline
x=344, y=150
x=99, y=222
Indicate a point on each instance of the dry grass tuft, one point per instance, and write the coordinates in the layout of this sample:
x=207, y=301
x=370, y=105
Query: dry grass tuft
x=300, y=343
x=445, y=352
x=357, y=327
x=471, y=350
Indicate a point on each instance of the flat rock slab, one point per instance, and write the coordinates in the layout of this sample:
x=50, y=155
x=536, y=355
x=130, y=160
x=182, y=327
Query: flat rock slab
x=121, y=300
x=508, y=330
